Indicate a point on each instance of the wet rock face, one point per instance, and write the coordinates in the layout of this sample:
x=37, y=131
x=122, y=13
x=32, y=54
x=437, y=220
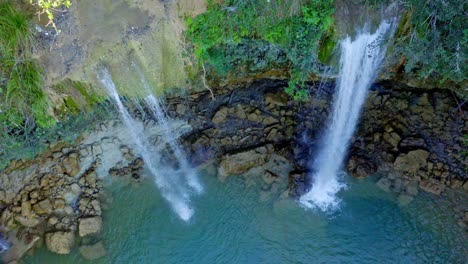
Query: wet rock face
x=416, y=133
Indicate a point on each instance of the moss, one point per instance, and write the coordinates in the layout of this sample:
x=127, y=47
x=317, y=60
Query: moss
x=327, y=47
x=78, y=97
x=71, y=105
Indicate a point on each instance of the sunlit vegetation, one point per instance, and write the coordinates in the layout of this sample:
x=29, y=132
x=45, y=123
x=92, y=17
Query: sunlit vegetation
x=296, y=27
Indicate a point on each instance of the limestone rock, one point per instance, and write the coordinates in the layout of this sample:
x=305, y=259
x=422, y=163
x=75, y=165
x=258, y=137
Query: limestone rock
x=220, y=116
x=60, y=242
x=361, y=167
x=71, y=164
x=432, y=186
x=26, y=208
x=92, y=252
x=30, y=221
x=90, y=226
x=411, y=162
x=43, y=207
x=241, y=162
x=276, y=99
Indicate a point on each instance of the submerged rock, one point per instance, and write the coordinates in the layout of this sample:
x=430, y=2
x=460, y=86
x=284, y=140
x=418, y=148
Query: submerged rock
x=90, y=226
x=92, y=252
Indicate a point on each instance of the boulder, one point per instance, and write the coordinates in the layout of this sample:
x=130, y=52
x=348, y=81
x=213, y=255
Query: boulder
x=43, y=207
x=71, y=164
x=90, y=226
x=26, y=208
x=413, y=161
x=432, y=186
x=29, y=221
x=279, y=99
x=220, y=116
x=241, y=162
x=405, y=199
x=60, y=242
x=92, y=252
x=361, y=167
x=384, y=184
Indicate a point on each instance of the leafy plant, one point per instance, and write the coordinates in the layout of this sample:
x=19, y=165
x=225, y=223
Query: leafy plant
x=296, y=27
x=434, y=40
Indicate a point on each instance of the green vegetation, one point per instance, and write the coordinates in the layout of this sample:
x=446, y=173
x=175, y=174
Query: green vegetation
x=433, y=38
x=296, y=28
x=26, y=116
x=22, y=100
x=26, y=144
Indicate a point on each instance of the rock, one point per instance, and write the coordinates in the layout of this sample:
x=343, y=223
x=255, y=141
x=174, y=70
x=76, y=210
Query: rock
x=412, y=189
x=392, y=138
x=279, y=99
x=241, y=162
x=405, y=199
x=255, y=117
x=71, y=164
x=361, y=167
x=52, y=220
x=384, y=184
x=90, y=226
x=75, y=188
x=180, y=109
x=92, y=252
x=26, y=208
x=60, y=242
x=220, y=116
x=43, y=207
x=96, y=207
x=34, y=194
x=432, y=186
x=412, y=143
x=411, y=162
x=30, y=221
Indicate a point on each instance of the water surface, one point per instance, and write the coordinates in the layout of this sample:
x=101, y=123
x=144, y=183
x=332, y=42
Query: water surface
x=234, y=223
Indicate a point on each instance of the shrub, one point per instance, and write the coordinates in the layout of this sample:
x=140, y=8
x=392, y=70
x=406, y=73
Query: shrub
x=296, y=27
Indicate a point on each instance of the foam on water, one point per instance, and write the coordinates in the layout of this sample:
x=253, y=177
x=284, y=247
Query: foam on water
x=359, y=64
x=164, y=177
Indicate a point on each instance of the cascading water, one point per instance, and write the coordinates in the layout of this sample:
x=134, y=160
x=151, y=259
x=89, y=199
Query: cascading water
x=359, y=62
x=4, y=244
x=172, y=187
x=157, y=110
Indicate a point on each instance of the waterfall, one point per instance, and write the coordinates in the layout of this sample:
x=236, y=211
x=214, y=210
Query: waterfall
x=169, y=182
x=4, y=244
x=155, y=105
x=359, y=63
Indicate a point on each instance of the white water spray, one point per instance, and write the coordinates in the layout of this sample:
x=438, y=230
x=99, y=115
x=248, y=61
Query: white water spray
x=155, y=105
x=171, y=186
x=359, y=63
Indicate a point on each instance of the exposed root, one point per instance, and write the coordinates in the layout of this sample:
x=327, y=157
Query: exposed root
x=204, y=83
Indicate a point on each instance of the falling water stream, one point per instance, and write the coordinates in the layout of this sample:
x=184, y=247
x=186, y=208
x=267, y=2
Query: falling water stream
x=167, y=179
x=157, y=110
x=359, y=63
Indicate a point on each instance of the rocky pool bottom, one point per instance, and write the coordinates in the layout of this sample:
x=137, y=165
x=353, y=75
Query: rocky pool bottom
x=236, y=221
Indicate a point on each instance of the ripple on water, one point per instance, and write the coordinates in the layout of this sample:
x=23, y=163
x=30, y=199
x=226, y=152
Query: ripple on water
x=233, y=225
